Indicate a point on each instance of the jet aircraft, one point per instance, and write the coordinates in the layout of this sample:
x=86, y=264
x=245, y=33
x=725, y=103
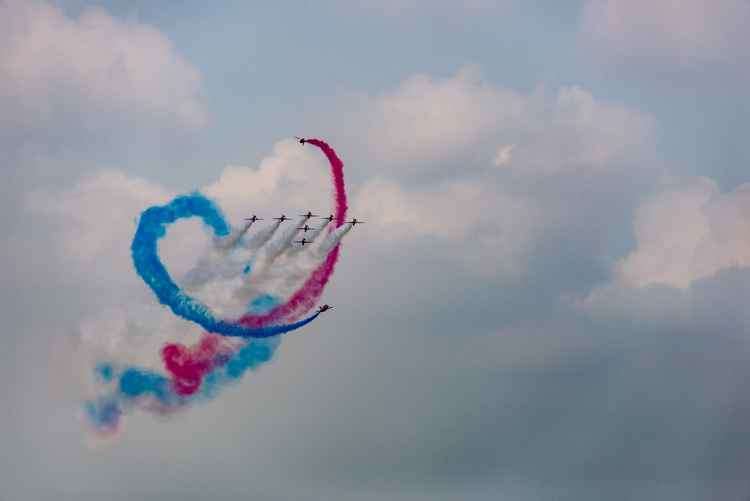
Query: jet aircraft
x=305, y=228
x=301, y=140
x=282, y=218
x=303, y=242
x=325, y=307
x=355, y=222
x=254, y=218
x=308, y=215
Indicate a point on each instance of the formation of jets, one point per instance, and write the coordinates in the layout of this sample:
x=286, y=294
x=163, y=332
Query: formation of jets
x=305, y=228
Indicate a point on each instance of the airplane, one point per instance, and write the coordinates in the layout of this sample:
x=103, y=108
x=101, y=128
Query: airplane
x=303, y=242
x=305, y=228
x=254, y=218
x=323, y=308
x=308, y=215
x=282, y=218
x=302, y=140
x=354, y=222
x=330, y=218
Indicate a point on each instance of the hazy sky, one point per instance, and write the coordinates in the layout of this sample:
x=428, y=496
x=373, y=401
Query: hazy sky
x=547, y=302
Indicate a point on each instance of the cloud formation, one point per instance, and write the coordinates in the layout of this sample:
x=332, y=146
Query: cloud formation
x=427, y=122
x=51, y=64
x=476, y=223
x=682, y=33
x=688, y=232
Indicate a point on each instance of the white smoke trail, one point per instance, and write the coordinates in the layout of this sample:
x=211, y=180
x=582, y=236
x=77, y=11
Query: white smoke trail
x=261, y=238
x=311, y=239
x=275, y=248
x=133, y=335
x=333, y=239
x=227, y=243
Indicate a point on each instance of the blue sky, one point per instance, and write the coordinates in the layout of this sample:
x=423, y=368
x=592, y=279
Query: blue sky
x=547, y=301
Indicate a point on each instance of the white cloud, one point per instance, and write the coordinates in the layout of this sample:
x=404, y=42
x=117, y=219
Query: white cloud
x=427, y=121
x=575, y=130
x=425, y=212
x=292, y=178
x=689, y=232
x=504, y=155
x=685, y=31
x=94, y=221
x=482, y=227
x=427, y=118
x=51, y=62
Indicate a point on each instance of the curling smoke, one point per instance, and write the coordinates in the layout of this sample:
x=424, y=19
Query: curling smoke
x=253, y=275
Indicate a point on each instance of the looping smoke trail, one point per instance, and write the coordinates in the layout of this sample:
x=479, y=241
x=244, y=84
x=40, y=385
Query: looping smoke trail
x=152, y=227
x=202, y=370
x=307, y=296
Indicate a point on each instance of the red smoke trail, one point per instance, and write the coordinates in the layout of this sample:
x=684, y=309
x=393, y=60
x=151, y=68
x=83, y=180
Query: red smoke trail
x=188, y=365
x=307, y=296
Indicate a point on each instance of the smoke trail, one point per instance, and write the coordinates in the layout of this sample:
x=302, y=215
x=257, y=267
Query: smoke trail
x=200, y=371
x=307, y=296
x=260, y=239
x=227, y=243
x=152, y=227
x=283, y=244
x=197, y=373
x=188, y=365
x=334, y=238
x=311, y=239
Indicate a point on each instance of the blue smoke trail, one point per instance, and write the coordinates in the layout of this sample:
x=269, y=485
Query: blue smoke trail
x=144, y=249
x=132, y=385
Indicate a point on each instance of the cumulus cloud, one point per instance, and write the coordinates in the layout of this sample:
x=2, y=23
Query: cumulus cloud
x=51, y=64
x=426, y=122
x=690, y=268
x=689, y=232
x=427, y=118
x=685, y=32
x=95, y=219
x=481, y=226
x=290, y=178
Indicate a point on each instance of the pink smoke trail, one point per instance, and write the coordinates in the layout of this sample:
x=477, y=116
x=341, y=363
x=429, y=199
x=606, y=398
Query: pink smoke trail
x=307, y=296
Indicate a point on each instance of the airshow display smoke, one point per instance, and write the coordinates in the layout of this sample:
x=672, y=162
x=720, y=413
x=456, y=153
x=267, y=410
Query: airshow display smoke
x=240, y=293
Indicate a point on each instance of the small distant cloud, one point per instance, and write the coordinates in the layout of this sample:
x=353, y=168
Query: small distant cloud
x=503, y=156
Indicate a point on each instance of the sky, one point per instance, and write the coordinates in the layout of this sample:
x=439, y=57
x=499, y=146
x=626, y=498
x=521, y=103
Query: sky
x=546, y=302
